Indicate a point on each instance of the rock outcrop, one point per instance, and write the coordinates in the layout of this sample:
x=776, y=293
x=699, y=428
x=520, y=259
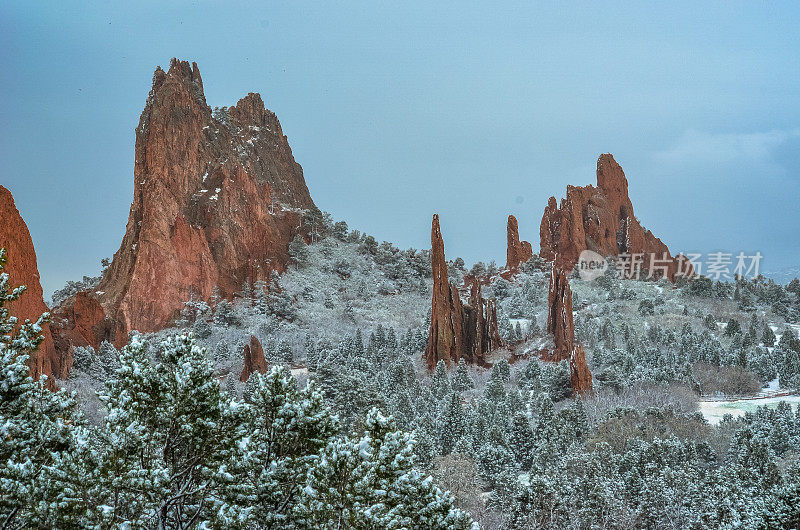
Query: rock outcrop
x=561, y=324
x=217, y=199
x=601, y=219
x=518, y=252
x=23, y=270
x=458, y=330
x=254, y=360
x=81, y=321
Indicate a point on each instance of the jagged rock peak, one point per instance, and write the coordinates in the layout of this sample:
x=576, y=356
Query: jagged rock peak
x=181, y=73
x=600, y=219
x=610, y=177
x=218, y=196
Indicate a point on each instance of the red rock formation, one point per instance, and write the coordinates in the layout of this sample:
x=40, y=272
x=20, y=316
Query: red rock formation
x=254, y=360
x=580, y=376
x=446, y=333
x=82, y=322
x=560, y=323
x=217, y=198
x=22, y=268
x=481, y=333
x=559, y=315
x=518, y=252
x=457, y=329
x=600, y=219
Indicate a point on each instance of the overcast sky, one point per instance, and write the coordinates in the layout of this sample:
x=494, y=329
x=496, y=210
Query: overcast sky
x=399, y=110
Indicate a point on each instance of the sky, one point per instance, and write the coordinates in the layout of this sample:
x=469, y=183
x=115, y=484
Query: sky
x=398, y=110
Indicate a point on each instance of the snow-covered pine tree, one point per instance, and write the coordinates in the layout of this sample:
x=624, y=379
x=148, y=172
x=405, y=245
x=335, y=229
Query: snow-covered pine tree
x=440, y=383
x=453, y=424
x=462, y=380
x=371, y=482
x=283, y=429
x=522, y=441
x=161, y=455
x=36, y=425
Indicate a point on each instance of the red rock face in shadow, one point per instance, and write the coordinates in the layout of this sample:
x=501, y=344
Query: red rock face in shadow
x=518, y=252
x=561, y=324
x=481, y=330
x=254, y=360
x=23, y=269
x=600, y=219
x=458, y=330
x=217, y=199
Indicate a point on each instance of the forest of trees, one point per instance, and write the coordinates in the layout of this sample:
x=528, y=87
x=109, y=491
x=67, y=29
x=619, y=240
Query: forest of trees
x=176, y=451
x=349, y=430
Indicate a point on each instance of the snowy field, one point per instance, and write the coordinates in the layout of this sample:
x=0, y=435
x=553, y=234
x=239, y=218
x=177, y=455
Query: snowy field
x=713, y=411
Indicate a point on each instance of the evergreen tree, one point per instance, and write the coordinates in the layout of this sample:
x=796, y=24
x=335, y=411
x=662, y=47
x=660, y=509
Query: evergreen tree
x=340, y=230
x=521, y=440
x=36, y=425
x=371, y=483
x=298, y=251
x=501, y=370
x=281, y=432
x=285, y=352
x=453, y=426
x=440, y=384
x=222, y=353
x=495, y=463
x=201, y=328
x=224, y=314
x=530, y=376
x=162, y=451
x=732, y=328
x=312, y=355
x=261, y=299
x=768, y=336
x=462, y=380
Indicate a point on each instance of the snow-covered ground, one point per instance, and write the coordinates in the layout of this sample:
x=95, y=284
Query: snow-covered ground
x=524, y=323
x=713, y=411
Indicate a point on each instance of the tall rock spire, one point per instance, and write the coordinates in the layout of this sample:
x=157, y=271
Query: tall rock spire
x=517, y=252
x=561, y=324
x=458, y=330
x=445, y=340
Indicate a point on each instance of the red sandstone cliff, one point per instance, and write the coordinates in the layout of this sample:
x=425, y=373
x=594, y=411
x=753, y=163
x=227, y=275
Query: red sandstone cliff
x=217, y=198
x=457, y=329
x=600, y=219
x=560, y=323
x=23, y=270
x=518, y=252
